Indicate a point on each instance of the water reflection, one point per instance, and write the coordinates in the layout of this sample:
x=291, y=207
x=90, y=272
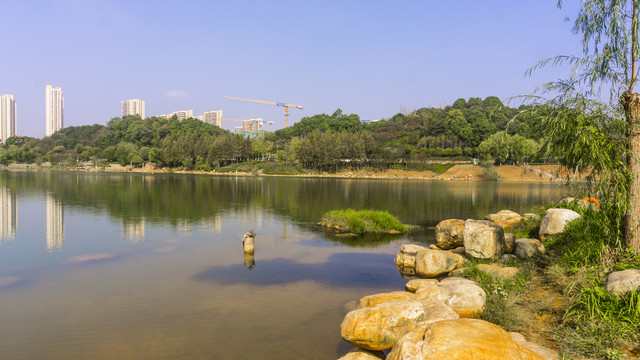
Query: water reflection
x=340, y=270
x=133, y=230
x=55, y=223
x=8, y=214
x=249, y=260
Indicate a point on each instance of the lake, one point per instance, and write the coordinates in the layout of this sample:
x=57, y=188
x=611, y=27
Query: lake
x=132, y=266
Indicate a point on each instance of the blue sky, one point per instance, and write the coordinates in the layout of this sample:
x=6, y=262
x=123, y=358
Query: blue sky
x=373, y=58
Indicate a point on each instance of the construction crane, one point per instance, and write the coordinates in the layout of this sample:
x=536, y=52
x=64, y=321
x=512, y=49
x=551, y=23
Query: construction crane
x=286, y=106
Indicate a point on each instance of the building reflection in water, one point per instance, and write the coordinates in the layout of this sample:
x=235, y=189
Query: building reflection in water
x=212, y=224
x=55, y=223
x=8, y=214
x=133, y=230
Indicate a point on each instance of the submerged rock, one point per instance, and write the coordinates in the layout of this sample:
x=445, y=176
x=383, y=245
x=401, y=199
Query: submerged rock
x=460, y=339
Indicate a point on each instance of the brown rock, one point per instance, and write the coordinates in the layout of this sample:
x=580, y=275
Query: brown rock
x=620, y=282
x=461, y=339
x=379, y=327
x=483, y=239
x=499, y=271
x=431, y=263
x=464, y=296
x=415, y=284
x=449, y=233
x=546, y=353
x=373, y=300
x=361, y=354
x=509, y=243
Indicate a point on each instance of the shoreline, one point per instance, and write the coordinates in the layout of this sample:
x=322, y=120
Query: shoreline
x=552, y=174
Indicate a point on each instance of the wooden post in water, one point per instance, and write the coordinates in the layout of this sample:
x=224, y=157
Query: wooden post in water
x=248, y=243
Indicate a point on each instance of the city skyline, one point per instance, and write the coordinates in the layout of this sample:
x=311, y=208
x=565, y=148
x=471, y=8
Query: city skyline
x=374, y=59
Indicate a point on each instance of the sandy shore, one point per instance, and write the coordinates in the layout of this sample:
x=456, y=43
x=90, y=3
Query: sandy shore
x=466, y=172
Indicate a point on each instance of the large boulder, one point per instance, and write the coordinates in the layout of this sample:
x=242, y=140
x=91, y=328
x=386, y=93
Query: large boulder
x=461, y=339
x=415, y=284
x=431, y=263
x=449, y=233
x=464, y=296
x=373, y=300
x=362, y=354
x=528, y=248
x=483, y=239
x=554, y=221
x=505, y=218
x=406, y=259
x=381, y=326
x=620, y=282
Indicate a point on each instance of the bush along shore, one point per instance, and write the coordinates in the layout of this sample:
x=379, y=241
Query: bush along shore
x=533, y=286
x=360, y=222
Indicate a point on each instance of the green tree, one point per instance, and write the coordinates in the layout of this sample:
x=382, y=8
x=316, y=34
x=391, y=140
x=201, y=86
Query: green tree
x=610, y=42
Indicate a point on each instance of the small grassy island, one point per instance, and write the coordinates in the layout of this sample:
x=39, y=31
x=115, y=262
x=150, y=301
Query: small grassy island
x=362, y=222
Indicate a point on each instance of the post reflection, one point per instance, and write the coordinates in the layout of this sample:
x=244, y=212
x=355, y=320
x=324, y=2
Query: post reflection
x=249, y=260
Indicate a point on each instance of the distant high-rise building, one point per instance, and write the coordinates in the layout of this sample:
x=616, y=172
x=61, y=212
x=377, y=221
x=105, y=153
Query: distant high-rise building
x=55, y=223
x=133, y=107
x=213, y=117
x=183, y=114
x=7, y=117
x=55, y=107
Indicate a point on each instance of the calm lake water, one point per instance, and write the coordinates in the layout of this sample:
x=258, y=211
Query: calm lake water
x=101, y=266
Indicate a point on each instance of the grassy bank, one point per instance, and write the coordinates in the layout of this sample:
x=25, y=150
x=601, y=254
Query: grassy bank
x=362, y=222
x=559, y=300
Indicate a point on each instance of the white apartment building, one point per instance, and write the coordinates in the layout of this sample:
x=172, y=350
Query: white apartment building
x=7, y=117
x=182, y=114
x=54, y=110
x=213, y=117
x=133, y=107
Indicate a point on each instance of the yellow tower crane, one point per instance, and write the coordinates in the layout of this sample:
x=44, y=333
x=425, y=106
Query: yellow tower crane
x=286, y=106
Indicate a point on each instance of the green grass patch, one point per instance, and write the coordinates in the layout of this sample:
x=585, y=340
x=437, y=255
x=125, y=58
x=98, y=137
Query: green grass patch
x=362, y=221
x=505, y=297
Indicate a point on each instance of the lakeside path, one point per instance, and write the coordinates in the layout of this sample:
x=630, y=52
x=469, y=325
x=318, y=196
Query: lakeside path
x=467, y=172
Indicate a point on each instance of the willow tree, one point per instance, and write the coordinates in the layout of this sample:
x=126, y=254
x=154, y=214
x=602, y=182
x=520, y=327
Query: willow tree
x=603, y=136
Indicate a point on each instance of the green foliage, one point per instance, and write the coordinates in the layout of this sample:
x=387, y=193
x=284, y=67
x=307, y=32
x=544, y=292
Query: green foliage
x=274, y=168
x=490, y=172
x=503, y=147
x=503, y=295
x=364, y=221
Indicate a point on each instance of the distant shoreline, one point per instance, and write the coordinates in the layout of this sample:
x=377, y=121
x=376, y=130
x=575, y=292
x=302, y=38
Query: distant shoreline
x=469, y=173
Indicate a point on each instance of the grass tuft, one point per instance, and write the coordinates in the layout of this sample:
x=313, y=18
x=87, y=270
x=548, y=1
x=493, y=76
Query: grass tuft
x=363, y=221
